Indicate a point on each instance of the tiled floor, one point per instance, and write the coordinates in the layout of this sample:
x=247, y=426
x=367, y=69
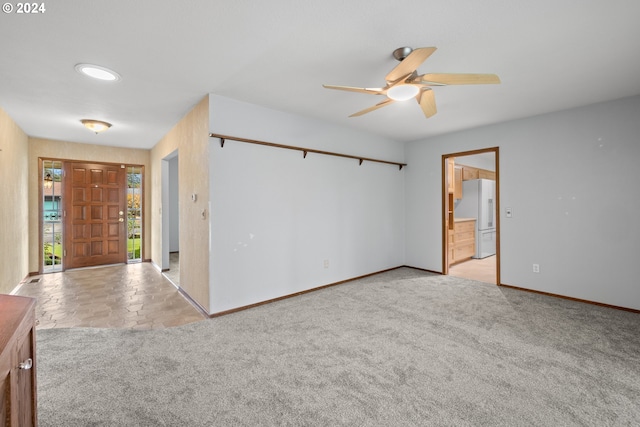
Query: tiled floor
x=120, y=296
x=483, y=270
x=173, y=273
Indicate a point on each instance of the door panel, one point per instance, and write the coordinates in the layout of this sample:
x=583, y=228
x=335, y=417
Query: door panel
x=95, y=214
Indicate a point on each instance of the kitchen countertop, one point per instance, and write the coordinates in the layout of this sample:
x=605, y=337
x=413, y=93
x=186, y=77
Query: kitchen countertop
x=463, y=219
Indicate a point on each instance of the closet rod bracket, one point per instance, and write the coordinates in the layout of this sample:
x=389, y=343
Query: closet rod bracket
x=305, y=151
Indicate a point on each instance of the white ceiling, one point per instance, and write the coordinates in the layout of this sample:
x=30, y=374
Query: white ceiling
x=550, y=54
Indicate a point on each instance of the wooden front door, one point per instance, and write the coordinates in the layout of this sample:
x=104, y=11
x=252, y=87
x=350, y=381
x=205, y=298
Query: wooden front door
x=95, y=207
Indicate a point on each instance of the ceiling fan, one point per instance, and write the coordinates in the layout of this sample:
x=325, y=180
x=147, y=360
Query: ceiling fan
x=403, y=82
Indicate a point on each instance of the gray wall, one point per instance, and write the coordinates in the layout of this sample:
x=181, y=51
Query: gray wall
x=276, y=217
x=570, y=178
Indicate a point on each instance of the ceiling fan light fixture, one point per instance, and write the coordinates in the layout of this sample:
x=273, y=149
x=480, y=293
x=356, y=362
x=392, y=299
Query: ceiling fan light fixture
x=402, y=92
x=96, y=126
x=98, y=72
x=404, y=83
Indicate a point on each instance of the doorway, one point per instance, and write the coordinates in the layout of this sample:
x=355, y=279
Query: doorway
x=90, y=214
x=471, y=220
x=171, y=218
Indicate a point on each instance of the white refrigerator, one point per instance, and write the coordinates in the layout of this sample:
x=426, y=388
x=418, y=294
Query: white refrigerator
x=478, y=201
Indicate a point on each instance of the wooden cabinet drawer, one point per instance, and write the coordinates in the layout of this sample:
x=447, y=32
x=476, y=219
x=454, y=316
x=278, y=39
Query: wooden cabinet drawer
x=464, y=251
x=5, y=388
x=463, y=226
x=462, y=241
x=468, y=236
x=18, y=404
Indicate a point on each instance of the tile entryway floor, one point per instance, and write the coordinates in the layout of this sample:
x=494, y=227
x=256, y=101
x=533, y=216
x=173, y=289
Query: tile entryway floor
x=118, y=296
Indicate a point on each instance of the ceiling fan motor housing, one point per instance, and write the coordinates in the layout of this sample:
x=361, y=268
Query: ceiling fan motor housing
x=402, y=52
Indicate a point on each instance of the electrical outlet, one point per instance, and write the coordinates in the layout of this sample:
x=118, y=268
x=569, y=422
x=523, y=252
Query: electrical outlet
x=536, y=268
x=326, y=263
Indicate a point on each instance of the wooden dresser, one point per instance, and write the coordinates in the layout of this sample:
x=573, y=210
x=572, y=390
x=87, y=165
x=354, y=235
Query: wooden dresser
x=18, y=405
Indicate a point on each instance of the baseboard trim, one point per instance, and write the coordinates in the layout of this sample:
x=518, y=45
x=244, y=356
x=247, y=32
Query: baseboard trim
x=616, y=307
x=193, y=302
x=424, y=269
x=269, y=301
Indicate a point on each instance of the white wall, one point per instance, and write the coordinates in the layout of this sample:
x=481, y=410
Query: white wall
x=276, y=217
x=482, y=161
x=571, y=180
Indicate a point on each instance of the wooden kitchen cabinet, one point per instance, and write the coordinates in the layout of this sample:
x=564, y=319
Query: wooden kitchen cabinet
x=469, y=173
x=485, y=174
x=462, y=240
x=18, y=404
x=451, y=182
x=457, y=182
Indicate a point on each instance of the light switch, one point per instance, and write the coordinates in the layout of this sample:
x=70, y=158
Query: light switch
x=508, y=212
x=194, y=197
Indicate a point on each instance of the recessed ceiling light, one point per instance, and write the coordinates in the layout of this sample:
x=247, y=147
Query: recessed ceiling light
x=98, y=72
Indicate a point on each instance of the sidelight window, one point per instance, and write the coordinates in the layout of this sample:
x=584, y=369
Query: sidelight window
x=134, y=213
x=52, y=223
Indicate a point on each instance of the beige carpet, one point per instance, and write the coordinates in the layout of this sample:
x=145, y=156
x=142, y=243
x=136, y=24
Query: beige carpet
x=403, y=348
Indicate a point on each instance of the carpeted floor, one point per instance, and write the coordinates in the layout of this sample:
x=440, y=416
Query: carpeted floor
x=403, y=348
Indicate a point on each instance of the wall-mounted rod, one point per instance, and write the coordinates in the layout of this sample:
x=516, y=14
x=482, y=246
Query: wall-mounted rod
x=304, y=150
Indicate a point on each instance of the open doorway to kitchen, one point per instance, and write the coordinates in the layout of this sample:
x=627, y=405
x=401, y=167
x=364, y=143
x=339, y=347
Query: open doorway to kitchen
x=471, y=223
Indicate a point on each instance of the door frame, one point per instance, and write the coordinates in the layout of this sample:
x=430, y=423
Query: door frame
x=167, y=197
x=64, y=161
x=445, y=206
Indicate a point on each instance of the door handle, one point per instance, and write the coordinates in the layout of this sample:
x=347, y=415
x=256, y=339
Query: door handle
x=490, y=213
x=26, y=365
x=121, y=219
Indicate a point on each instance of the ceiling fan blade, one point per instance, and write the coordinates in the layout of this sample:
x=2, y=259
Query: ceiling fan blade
x=375, y=107
x=410, y=63
x=372, y=91
x=459, y=79
x=427, y=101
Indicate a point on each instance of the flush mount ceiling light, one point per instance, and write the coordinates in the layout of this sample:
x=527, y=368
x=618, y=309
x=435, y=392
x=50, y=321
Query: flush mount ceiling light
x=95, y=125
x=402, y=92
x=98, y=72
